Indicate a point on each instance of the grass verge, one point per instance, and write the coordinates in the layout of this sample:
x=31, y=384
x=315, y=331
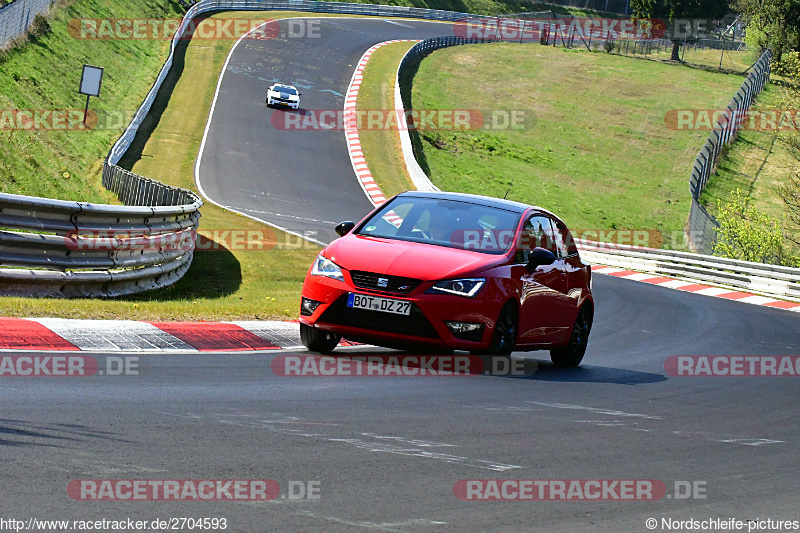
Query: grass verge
x=594, y=147
x=44, y=74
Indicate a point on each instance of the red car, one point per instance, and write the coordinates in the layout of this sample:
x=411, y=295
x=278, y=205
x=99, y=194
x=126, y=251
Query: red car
x=449, y=271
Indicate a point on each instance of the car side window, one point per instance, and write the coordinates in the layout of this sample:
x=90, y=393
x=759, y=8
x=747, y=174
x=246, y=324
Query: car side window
x=564, y=240
x=537, y=233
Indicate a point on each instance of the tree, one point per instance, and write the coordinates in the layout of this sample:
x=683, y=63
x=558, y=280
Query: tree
x=673, y=10
x=773, y=24
x=789, y=189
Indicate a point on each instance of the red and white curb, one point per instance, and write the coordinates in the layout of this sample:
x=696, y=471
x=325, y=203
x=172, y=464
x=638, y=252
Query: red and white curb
x=365, y=179
x=696, y=288
x=61, y=334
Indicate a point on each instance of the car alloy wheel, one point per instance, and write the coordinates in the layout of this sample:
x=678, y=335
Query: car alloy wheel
x=505, y=332
x=572, y=353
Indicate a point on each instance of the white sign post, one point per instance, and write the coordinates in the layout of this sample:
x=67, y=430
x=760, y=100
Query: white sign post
x=91, y=79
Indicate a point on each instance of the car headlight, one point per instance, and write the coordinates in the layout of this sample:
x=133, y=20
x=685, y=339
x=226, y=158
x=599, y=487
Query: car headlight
x=462, y=287
x=327, y=268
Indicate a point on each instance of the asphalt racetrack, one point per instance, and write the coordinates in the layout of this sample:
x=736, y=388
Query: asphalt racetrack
x=300, y=180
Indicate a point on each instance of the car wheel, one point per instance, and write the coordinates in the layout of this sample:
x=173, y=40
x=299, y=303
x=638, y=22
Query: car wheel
x=505, y=332
x=318, y=340
x=572, y=353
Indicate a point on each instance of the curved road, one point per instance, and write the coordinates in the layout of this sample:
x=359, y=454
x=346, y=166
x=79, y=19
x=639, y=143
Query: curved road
x=387, y=452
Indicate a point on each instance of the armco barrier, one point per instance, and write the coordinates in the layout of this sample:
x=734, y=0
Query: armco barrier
x=79, y=249
x=418, y=177
x=48, y=262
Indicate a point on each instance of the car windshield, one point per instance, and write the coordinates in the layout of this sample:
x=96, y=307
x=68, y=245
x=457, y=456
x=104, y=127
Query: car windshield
x=284, y=89
x=451, y=223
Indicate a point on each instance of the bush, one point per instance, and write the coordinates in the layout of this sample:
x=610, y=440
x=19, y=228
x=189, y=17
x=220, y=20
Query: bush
x=750, y=235
x=39, y=26
x=609, y=46
x=788, y=66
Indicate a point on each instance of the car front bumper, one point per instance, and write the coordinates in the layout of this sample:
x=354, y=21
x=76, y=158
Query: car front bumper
x=424, y=326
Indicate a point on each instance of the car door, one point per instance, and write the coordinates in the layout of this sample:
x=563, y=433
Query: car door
x=542, y=291
x=575, y=279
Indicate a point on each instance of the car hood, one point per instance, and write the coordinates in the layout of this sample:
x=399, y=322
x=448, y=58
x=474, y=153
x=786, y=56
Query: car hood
x=427, y=262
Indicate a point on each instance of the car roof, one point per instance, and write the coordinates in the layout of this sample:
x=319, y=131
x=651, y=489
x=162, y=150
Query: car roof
x=284, y=85
x=490, y=201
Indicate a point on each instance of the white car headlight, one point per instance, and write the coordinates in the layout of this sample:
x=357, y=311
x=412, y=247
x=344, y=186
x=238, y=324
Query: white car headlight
x=468, y=287
x=326, y=268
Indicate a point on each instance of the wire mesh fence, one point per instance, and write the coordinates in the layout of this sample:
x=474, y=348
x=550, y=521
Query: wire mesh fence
x=17, y=16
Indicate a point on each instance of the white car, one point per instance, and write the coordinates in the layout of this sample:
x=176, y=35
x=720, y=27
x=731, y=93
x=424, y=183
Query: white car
x=280, y=95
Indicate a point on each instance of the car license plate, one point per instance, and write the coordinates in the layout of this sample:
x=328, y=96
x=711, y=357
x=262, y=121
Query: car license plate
x=376, y=303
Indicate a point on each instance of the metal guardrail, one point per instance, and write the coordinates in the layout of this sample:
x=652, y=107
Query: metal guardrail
x=17, y=16
x=418, y=177
x=79, y=249
x=772, y=280
x=702, y=228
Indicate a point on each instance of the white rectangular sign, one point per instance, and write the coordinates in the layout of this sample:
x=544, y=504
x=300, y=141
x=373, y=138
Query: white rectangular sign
x=91, y=78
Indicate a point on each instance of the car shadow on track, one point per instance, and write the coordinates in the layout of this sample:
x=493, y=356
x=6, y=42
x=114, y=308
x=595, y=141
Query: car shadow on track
x=546, y=371
x=499, y=366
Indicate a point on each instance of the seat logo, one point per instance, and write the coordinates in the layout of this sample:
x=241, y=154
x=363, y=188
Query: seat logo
x=383, y=282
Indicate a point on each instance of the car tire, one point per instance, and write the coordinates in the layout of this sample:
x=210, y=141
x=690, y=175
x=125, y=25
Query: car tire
x=571, y=355
x=318, y=340
x=504, y=335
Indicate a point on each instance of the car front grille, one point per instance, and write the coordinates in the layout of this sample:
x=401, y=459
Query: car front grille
x=415, y=324
x=383, y=283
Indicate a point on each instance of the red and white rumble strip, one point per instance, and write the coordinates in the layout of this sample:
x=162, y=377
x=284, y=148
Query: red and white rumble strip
x=371, y=189
x=697, y=288
x=61, y=334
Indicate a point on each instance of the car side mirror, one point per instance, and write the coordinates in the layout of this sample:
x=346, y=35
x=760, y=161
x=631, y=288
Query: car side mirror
x=343, y=228
x=539, y=257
